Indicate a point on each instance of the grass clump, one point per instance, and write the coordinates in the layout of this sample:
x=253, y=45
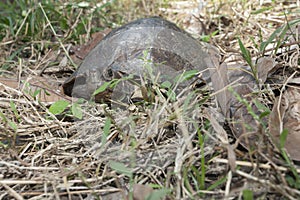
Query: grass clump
x=24, y=20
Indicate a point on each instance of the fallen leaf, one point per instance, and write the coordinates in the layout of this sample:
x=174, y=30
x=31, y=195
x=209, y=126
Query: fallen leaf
x=264, y=66
x=82, y=51
x=140, y=192
x=50, y=91
x=286, y=115
x=114, y=196
x=219, y=79
x=221, y=134
x=240, y=118
x=243, y=123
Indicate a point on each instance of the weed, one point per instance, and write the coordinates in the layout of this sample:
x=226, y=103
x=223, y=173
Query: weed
x=248, y=58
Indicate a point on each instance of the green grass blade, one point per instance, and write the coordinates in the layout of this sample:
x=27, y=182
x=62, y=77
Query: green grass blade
x=245, y=53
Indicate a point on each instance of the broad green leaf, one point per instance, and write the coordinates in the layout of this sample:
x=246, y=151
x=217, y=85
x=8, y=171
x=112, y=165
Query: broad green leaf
x=205, y=38
x=158, y=194
x=76, y=110
x=166, y=84
x=80, y=101
x=58, y=107
x=121, y=168
x=247, y=195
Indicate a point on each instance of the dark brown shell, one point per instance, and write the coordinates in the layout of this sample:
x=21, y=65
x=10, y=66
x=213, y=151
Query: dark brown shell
x=129, y=48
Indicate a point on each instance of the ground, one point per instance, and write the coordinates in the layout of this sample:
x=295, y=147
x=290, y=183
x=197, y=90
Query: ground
x=235, y=137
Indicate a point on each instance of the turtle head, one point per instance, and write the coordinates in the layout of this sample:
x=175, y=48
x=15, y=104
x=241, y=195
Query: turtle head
x=84, y=84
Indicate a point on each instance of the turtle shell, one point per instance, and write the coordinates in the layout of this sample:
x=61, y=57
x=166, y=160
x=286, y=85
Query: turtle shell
x=153, y=42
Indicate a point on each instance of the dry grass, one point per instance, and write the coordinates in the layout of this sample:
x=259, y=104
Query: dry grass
x=178, y=145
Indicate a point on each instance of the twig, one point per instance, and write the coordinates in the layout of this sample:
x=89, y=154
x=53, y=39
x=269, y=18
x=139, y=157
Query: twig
x=249, y=164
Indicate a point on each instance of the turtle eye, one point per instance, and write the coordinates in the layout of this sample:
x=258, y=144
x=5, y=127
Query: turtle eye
x=108, y=74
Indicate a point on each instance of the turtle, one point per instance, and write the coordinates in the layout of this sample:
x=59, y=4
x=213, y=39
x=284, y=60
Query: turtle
x=156, y=42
